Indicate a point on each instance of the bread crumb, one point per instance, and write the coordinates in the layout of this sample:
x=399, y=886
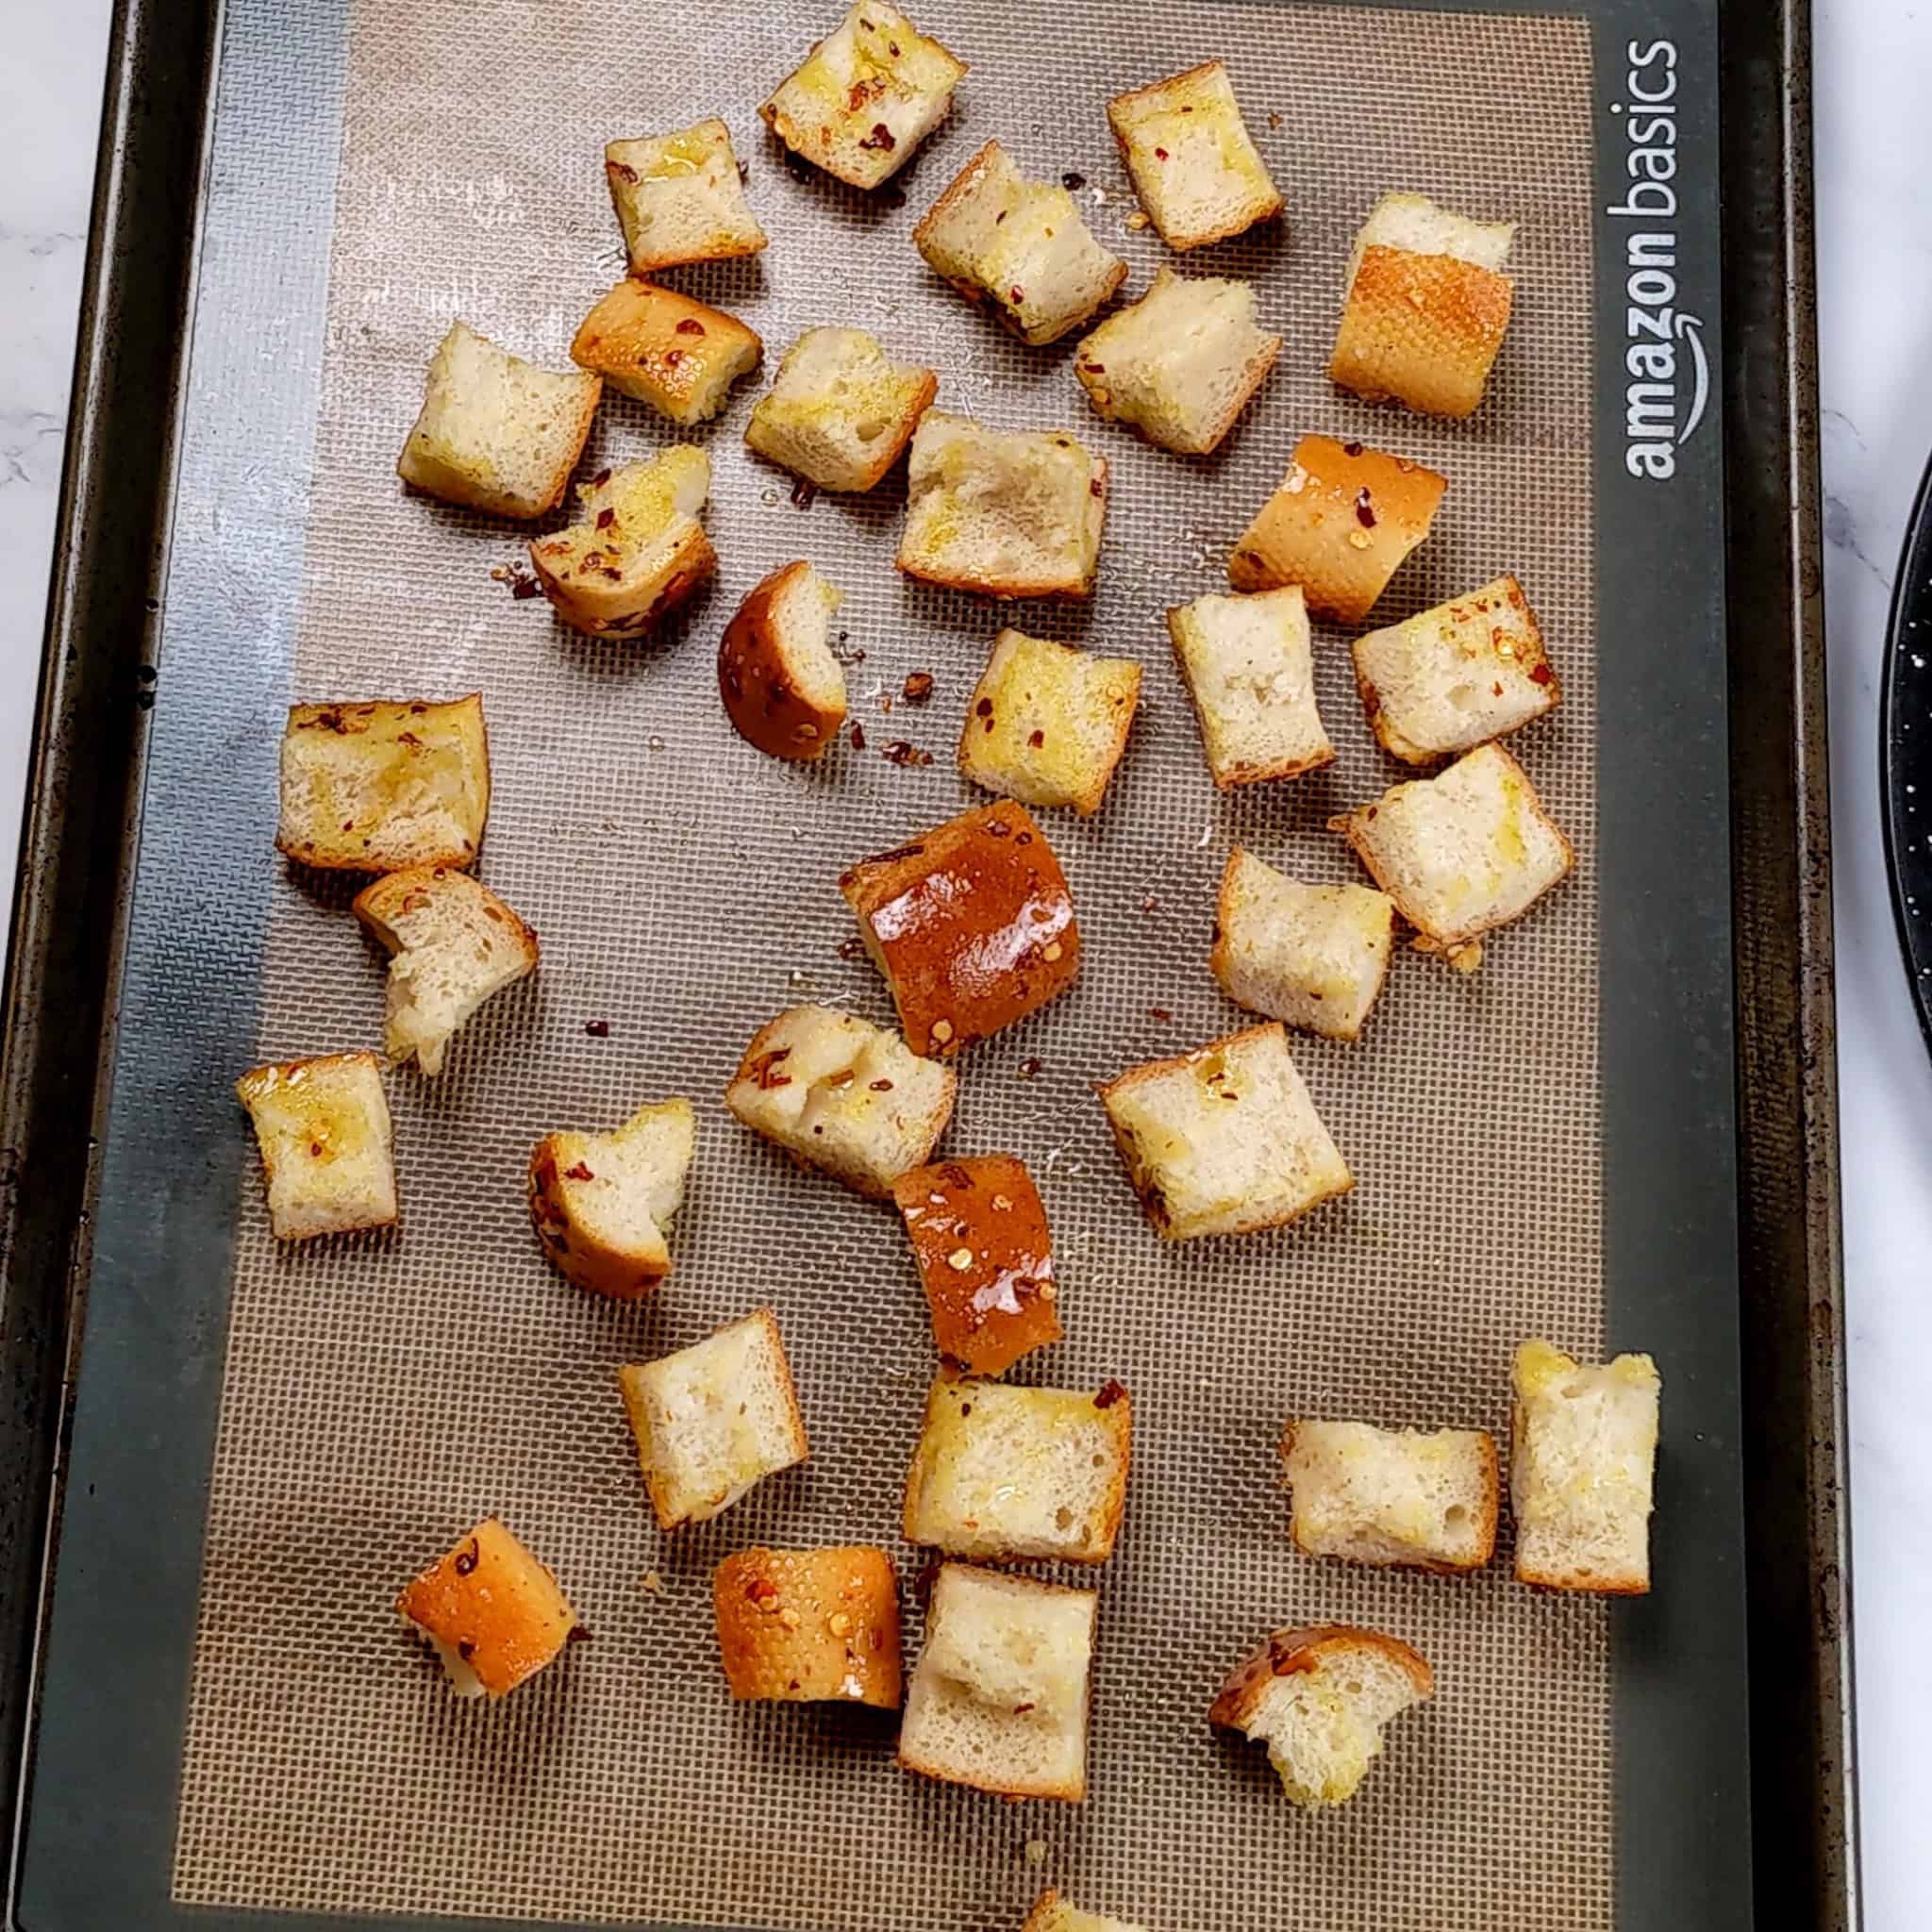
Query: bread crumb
x=654, y=1583
x=1036, y=1851
x=1136, y=221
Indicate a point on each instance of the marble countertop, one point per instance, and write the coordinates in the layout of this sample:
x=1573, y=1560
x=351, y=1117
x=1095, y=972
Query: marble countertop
x=1874, y=155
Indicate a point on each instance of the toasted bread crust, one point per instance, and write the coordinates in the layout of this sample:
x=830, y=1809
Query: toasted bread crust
x=759, y=685
x=661, y=347
x=494, y=1604
x=1285, y=1652
x=1422, y=330
x=601, y=609
x=579, y=1256
x=1485, y=1522
x=1045, y=1908
x=809, y=1626
x=384, y=900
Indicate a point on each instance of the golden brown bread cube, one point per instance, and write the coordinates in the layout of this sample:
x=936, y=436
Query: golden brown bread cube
x=491, y=1612
x=809, y=1627
x=783, y=689
x=677, y=355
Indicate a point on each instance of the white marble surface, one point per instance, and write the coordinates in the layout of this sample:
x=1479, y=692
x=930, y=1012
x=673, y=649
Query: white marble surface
x=1873, y=157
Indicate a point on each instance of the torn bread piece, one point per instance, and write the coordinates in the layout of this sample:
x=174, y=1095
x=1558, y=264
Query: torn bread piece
x=809, y=1627
x=841, y=1094
x=713, y=1418
x=321, y=1126
x=1422, y=1498
x=840, y=410
x=783, y=689
x=1192, y=162
x=491, y=1611
x=1424, y=307
x=679, y=356
x=1250, y=668
x=1052, y=1913
x=680, y=197
x=1048, y=723
x=377, y=787
x=600, y=1203
x=496, y=433
x=454, y=944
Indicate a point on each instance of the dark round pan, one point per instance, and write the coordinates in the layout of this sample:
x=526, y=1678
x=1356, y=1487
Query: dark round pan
x=1904, y=752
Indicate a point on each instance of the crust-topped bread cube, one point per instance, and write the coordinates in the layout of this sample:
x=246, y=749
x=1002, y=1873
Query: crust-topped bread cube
x=1424, y=1498
x=377, y=787
x=1456, y=676
x=972, y=924
x=1019, y=246
x=1313, y=957
x=1583, y=1453
x=1052, y=1913
x=841, y=1094
x=637, y=551
x=840, y=410
x=1007, y=513
x=1340, y=526
x=492, y=1614
x=1004, y=1472
x=1192, y=161
x=680, y=197
x=1250, y=668
x=783, y=689
x=980, y=1235
x=1460, y=853
x=600, y=1203
x=809, y=1627
x=1181, y=363
x=866, y=96
x=1048, y=723
x=1425, y=308
x=323, y=1129
x=1224, y=1140
x=453, y=943
x=713, y=1418
x=1319, y=1698
x=998, y=1699
x=497, y=433
x=679, y=355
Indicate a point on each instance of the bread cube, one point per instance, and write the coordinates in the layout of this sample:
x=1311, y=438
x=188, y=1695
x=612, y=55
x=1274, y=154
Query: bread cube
x=840, y=410
x=980, y=1235
x=492, y=1614
x=998, y=1700
x=453, y=943
x=783, y=689
x=713, y=1418
x=972, y=924
x=1019, y=246
x=1582, y=1453
x=1313, y=957
x=1318, y=1698
x=809, y=1627
x=680, y=197
x=1224, y=1140
x=1340, y=526
x=637, y=551
x=1456, y=676
x=1193, y=165
x=840, y=1094
x=1048, y=723
x=323, y=1129
x=1004, y=1472
x=600, y=1203
x=1424, y=307
x=1460, y=853
x=866, y=96
x=1250, y=668
x=1007, y=513
x=679, y=356
x=1052, y=1913
x=377, y=787
x=1180, y=364
x=1422, y=1498
x=496, y=433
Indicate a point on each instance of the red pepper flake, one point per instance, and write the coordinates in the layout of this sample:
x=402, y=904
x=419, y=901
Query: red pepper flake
x=690, y=325
x=853, y=948
x=1016, y=294
x=605, y=517
x=880, y=138
x=761, y=1069
x=1094, y=368
x=577, y=1634
x=804, y=492
x=1274, y=120
x=1036, y=738
x=468, y=1559
x=578, y=1173
x=1160, y=154
x=1351, y=449
x=858, y=736
x=1364, y=508
x=1111, y=1392
x=672, y=357
x=881, y=1086
x=597, y=1029
x=984, y=707
x=1072, y=182
x=918, y=687
x=902, y=751
x=1542, y=674
x=409, y=739
x=598, y=481
x=521, y=584
x=1159, y=1014
x=1094, y=486
x=1029, y=1069
x=623, y=171
x=1150, y=904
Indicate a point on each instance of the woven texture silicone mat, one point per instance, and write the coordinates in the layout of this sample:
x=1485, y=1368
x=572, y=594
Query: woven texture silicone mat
x=382, y=1393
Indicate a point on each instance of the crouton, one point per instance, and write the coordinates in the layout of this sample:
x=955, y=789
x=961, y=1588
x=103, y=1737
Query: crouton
x=1583, y=1451
x=496, y=433
x=1193, y=163
x=377, y=787
x=783, y=689
x=809, y=1627
x=1180, y=364
x=713, y=1418
x=840, y=410
x=1007, y=513
x=840, y=1094
x=1425, y=306
x=677, y=355
x=1422, y=1498
x=1017, y=246
x=1052, y=1913
x=1340, y=526
x=1224, y=1140
x=1318, y=1698
x=1313, y=957
x=492, y=1614
x=866, y=96
x=600, y=1203
x=680, y=197
x=323, y=1129
x=1048, y=723
x=1249, y=666
x=998, y=1699
x=453, y=943
x=972, y=924
x=1456, y=676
